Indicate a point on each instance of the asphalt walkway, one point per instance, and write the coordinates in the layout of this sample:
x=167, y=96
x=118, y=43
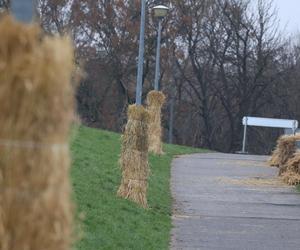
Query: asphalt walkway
x=224, y=201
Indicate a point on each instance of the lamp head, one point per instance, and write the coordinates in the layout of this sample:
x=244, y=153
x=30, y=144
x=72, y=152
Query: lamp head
x=160, y=11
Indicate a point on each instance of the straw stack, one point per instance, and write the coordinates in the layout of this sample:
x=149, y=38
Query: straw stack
x=285, y=149
x=290, y=172
x=155, y=101
x=134, y=157
x=36, y=111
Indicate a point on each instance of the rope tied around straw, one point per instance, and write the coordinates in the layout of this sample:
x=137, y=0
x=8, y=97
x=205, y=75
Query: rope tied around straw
x=138, y=179
x=27, y=192
x=32, y=144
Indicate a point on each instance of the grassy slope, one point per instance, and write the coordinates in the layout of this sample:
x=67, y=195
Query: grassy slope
x=111, y=222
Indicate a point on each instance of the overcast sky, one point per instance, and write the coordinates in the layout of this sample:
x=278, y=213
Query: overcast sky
x=289, y=14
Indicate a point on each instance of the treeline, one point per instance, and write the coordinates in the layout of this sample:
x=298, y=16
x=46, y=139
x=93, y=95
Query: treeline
x=221, y=60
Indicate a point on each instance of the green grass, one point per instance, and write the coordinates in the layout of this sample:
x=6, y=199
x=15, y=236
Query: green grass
x=111, y=222
x=298, y=188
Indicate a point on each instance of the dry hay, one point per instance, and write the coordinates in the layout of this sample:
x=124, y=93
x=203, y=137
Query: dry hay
x=243, y=163
x=290, y=172
x=291, y=178
x=36, y=111
x=134, y=157
x=286, y=147
x=155, y=101
x=254, y=181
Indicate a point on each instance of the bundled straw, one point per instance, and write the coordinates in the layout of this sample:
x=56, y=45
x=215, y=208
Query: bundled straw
x=290, y=172
x=36, y=110
x=134, y=157
x=155, y=101
x=286, y=147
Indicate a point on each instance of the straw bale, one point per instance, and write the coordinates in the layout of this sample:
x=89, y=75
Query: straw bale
x=155, y=101
x=134, y=157
x=36, y=111
x=156, y=98
x=290, y=172
x=294, y=163
x=291, y=178
x=285, y=149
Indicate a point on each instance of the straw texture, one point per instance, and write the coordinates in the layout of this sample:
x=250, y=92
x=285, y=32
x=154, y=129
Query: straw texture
x=290, y=172
x=285, y=149
x=36, y=111
x=155, y=101
x=134, y=157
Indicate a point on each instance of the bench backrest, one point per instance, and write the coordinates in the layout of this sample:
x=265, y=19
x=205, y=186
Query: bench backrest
x=267, y=122
x=270, y=122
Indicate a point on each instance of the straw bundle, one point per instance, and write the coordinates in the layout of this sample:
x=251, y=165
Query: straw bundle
x=134, y=157
x=291, y=178
x=286, y=147
x=155, y=101
x=36, y=111
x=290, y=172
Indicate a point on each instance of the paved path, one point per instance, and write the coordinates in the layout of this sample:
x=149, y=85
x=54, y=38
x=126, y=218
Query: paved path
x=232, y=202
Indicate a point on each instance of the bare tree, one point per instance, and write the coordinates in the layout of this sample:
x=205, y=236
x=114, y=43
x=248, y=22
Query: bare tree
x=221, y=60
x=4, y=5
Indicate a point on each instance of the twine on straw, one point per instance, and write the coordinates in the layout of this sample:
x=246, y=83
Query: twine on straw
x=31, y=144
x=138, y=179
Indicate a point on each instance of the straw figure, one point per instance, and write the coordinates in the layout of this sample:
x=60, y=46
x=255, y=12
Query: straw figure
x=36, y=110
x=290, y=172
x=285, y=149
x=155, y=101
x=134, y=157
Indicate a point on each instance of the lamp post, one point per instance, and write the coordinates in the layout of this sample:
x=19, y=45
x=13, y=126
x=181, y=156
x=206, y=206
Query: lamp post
x=139, y=85
x=160, y=12
x=23, y=10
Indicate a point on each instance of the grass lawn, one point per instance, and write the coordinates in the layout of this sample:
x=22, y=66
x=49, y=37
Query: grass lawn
x=111, y=222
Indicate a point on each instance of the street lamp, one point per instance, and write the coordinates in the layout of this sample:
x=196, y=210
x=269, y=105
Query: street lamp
x=160, y=12
x=139, y=85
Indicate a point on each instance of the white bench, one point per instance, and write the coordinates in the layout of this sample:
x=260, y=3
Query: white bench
x=267, y=122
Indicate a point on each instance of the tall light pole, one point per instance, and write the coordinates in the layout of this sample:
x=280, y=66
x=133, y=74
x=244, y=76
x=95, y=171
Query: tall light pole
x=23, y=10
x=160, y=12
x=139, y=85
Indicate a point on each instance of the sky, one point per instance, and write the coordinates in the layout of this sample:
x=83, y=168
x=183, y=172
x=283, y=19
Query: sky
x=289, y=14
